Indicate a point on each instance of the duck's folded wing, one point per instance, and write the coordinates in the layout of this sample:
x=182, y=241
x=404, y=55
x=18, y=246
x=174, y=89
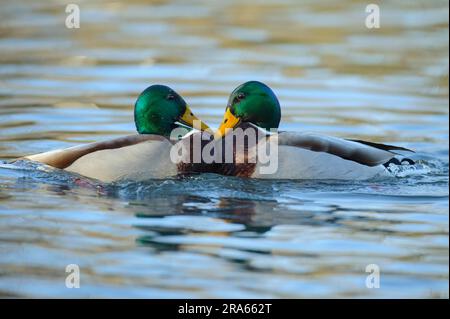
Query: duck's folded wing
x=366, y=153
x=63, y=158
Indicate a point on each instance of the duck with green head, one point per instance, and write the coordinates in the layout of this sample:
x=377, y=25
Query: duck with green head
x=300, y=155
x=158, y=111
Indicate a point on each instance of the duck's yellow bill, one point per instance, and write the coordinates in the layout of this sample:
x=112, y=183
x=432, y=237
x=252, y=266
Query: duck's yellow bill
x=229, y=122
x=190, y=119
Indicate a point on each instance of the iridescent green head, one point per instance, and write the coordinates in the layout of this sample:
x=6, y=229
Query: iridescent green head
x=252, y=102
x=159, y=110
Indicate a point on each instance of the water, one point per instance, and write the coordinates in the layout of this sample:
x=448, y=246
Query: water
x=209, y=235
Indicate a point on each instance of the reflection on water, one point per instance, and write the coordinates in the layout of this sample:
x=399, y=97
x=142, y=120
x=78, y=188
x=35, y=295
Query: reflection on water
x=208, y=235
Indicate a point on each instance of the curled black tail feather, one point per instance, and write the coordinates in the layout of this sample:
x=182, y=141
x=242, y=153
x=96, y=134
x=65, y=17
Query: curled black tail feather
x=396, y=161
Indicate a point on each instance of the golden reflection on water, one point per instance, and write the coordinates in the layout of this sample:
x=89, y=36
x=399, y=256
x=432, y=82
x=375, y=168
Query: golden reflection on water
x=317, y=56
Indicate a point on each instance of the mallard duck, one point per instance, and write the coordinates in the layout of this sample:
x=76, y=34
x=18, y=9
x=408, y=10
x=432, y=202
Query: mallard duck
x=300, y=155
x=157, y=112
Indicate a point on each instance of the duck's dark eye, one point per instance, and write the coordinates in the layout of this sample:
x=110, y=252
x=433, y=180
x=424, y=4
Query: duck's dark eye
x=239, y=97
x=170, y=96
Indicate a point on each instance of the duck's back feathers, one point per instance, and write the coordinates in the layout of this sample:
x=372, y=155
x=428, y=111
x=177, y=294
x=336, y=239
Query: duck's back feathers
x=139, y=161
x=385, y=147
x=366, y=153
x=63, y=158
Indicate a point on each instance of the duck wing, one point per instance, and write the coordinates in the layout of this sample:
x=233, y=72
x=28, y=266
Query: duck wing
x=63, y=158
x=366, y=153
x=380, y=146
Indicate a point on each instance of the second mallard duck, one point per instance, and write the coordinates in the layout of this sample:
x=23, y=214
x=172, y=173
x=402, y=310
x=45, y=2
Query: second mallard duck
x=157, y=112
x=300, y=155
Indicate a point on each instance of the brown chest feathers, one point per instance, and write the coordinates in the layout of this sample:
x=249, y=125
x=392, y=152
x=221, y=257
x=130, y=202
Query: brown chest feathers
x=236, y=156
